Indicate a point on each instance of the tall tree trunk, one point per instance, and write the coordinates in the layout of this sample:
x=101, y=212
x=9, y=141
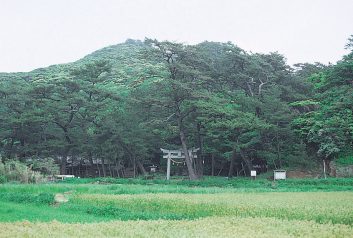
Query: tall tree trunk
x=86, y=171
x=200, y=159
x=99, y=171
x=63, y=165
x=92, y=171
x=141, y=168
x=232, y=162
x=188, y=161
x=278, y=148
x=103, y=169
x=80, y=169
x=63, y=162
x=10, y=150
x=199, y=165
x=247, y=161
x=117, y=168
x=68, y=146
x=134, y=160
x=110, y=170
x=248, y=164
x=191, y=172
x=72, y=166
x=134, y=164
x=23, y=153
x=212, y=164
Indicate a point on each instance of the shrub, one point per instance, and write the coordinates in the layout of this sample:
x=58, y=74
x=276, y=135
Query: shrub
x=14, y=170
x=345, y=160
x=45, y=166
x=27, y=198
x=3, y=179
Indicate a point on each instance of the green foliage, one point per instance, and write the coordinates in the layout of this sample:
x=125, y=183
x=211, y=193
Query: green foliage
x=3, y=179
x=123, y=103
x=46, y=166
x=327, y=127
x=16, y=171
x=345, y=159
x=27, y=198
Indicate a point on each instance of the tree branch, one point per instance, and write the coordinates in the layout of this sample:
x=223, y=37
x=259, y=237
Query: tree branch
x=262, y=84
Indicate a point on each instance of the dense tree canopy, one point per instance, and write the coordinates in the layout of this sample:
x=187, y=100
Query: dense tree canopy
x=123, y=103
x=326, y=119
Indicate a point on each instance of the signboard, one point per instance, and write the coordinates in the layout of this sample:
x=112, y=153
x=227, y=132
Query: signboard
x=253, y=173
x=279, y=174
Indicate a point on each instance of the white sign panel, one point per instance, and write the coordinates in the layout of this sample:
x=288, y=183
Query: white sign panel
x=279, y=174
x=253, y=173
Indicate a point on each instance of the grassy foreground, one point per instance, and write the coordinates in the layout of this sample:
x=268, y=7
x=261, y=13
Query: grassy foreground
x=207, y=227
x=216, y=208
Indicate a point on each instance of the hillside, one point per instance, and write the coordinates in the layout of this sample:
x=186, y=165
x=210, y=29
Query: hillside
x=116, y=107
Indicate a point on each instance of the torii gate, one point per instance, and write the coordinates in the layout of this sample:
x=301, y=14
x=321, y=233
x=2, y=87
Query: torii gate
x=177, y=154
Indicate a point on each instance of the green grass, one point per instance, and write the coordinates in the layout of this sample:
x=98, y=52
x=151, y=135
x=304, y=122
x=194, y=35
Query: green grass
x=245, y=184
x=10, y=212
x=307, y=202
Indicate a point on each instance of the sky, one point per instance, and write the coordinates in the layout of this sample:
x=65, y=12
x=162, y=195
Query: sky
x=39, y=33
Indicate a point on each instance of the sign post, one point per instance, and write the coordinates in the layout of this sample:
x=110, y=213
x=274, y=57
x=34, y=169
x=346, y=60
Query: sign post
x=168, y=167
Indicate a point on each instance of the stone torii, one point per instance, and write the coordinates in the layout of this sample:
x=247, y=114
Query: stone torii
x=177, y=154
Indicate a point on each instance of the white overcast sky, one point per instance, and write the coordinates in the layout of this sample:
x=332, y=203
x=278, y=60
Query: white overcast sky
x=39, y=33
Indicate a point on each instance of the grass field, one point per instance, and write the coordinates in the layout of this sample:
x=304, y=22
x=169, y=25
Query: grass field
x=210, y=208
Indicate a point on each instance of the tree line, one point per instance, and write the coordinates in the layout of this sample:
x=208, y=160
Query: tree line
x=123, y=103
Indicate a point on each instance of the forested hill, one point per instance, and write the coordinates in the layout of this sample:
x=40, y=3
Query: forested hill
x=123, y=103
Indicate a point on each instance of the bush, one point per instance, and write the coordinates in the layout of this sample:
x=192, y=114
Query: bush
x=45, y=166
x=14, y=170
x=3, y=179
x=41, y=198
x=345, y=160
